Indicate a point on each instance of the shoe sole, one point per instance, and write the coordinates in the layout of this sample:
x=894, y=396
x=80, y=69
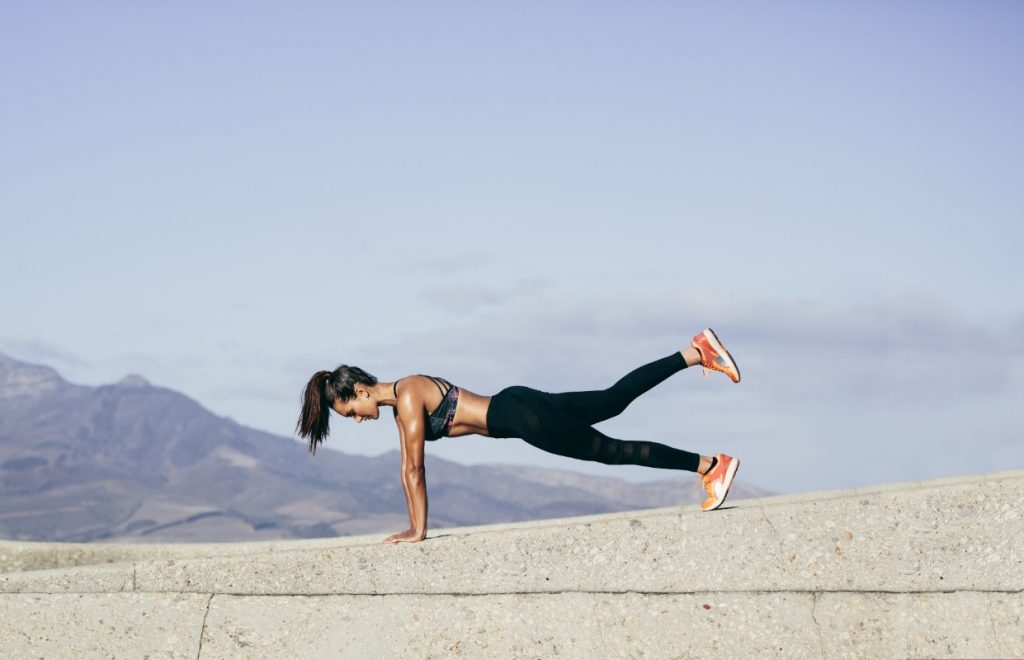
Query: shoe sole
x=730, y=473
x=712, y=338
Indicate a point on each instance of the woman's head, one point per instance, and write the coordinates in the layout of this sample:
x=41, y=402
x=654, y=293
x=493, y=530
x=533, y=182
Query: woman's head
x=323, y=392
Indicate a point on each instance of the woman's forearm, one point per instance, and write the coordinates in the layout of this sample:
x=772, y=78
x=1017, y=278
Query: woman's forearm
x=417, y=480
x=408, y=496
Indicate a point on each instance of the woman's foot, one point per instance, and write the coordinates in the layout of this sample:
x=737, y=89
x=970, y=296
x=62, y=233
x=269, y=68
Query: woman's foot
x=718, y=480
x=714, y=356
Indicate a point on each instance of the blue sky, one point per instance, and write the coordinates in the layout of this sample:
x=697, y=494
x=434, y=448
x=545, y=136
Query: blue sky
x=226, y=198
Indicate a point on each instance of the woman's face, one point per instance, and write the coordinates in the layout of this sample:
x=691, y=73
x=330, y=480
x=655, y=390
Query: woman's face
x=359, y=408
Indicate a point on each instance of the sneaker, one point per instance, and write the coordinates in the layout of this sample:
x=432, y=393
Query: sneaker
x=718, y=480
x=713, y=355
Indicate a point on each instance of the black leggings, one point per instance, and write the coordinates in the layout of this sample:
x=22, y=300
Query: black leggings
x=561, y=423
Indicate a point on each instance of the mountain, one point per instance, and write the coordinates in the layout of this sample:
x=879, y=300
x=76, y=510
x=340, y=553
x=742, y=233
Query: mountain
x=134, y=462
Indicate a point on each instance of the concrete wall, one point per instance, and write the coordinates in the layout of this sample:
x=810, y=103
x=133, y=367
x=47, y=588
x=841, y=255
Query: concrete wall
x=931, y=568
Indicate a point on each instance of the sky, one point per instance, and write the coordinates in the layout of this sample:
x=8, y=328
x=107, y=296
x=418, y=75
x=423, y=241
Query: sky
x=227, y=197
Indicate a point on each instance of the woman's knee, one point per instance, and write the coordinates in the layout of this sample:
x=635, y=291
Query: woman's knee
x=619, y=397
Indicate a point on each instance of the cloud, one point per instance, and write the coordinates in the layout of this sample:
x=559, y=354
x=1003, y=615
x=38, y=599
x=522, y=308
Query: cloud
x=250, y=393
x=457, y=296
x=433, y=267
x=905, y=350
x=40, y=352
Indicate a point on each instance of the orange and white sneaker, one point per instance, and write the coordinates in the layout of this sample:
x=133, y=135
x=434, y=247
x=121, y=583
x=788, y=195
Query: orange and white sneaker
x=713, y=356
x=718, y=480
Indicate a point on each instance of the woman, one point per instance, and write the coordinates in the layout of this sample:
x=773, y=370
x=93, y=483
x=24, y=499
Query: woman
x=558, y=423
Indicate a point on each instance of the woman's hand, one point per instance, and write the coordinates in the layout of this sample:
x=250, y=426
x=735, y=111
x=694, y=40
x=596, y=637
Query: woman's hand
x=408, y=536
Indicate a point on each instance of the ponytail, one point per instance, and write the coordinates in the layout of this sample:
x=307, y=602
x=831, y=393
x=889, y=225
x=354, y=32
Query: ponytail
x=315, y=416
x=322, y=390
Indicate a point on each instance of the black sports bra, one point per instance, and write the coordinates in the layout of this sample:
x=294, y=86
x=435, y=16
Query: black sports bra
x=439, y=421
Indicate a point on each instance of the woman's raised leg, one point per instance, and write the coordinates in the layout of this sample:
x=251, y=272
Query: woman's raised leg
x=595, y=406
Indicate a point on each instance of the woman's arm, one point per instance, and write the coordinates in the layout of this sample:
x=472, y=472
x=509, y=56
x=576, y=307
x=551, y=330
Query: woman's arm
x=405, y=464
x=410, y=411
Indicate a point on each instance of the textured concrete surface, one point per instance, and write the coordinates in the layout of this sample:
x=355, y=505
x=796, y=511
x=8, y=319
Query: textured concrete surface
x=101, y=626
x=923, y=569
x=580, y=625
x=29, y=556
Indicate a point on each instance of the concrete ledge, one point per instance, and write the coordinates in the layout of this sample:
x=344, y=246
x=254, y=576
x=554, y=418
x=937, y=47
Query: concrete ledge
x=924, y=569
x=730, y=625
x=950, y=537
x=18, y=556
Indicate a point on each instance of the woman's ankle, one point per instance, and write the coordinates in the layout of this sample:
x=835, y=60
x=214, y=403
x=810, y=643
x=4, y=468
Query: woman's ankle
x=710, y=463
x=691, y=356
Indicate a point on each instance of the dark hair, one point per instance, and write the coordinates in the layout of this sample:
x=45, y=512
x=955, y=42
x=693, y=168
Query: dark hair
x=322, y=390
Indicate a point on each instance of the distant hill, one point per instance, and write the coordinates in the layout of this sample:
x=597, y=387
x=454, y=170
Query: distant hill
x=135, y=462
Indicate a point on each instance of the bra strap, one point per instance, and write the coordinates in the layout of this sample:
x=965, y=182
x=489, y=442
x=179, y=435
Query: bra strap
x=434, y=381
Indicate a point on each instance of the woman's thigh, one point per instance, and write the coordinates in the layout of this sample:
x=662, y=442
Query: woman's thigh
x=544, y=425
x=590, y=407
x=593, y=406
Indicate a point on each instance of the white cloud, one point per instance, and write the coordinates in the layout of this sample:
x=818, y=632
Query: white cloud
x=40, y=352
x=895, y=352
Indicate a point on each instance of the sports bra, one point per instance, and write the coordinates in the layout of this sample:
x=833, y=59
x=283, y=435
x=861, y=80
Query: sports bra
x=440, y=421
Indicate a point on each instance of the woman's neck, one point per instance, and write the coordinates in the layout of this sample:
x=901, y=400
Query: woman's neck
x=384, y=394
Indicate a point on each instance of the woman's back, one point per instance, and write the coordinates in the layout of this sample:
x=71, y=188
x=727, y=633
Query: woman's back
x=450, y=410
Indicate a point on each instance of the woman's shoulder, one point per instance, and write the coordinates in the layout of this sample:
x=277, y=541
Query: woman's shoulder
x=425, y=379
x=417, y=380
x=419, y=386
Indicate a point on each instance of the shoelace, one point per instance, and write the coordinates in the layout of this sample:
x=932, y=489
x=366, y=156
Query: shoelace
x=704, y=363
x=701, y=483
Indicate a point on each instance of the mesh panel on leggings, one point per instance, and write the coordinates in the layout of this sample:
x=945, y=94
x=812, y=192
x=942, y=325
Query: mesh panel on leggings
x=617, y=452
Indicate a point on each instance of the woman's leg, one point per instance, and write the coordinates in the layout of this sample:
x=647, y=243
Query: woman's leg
x=596, y=406
x=529, y=414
